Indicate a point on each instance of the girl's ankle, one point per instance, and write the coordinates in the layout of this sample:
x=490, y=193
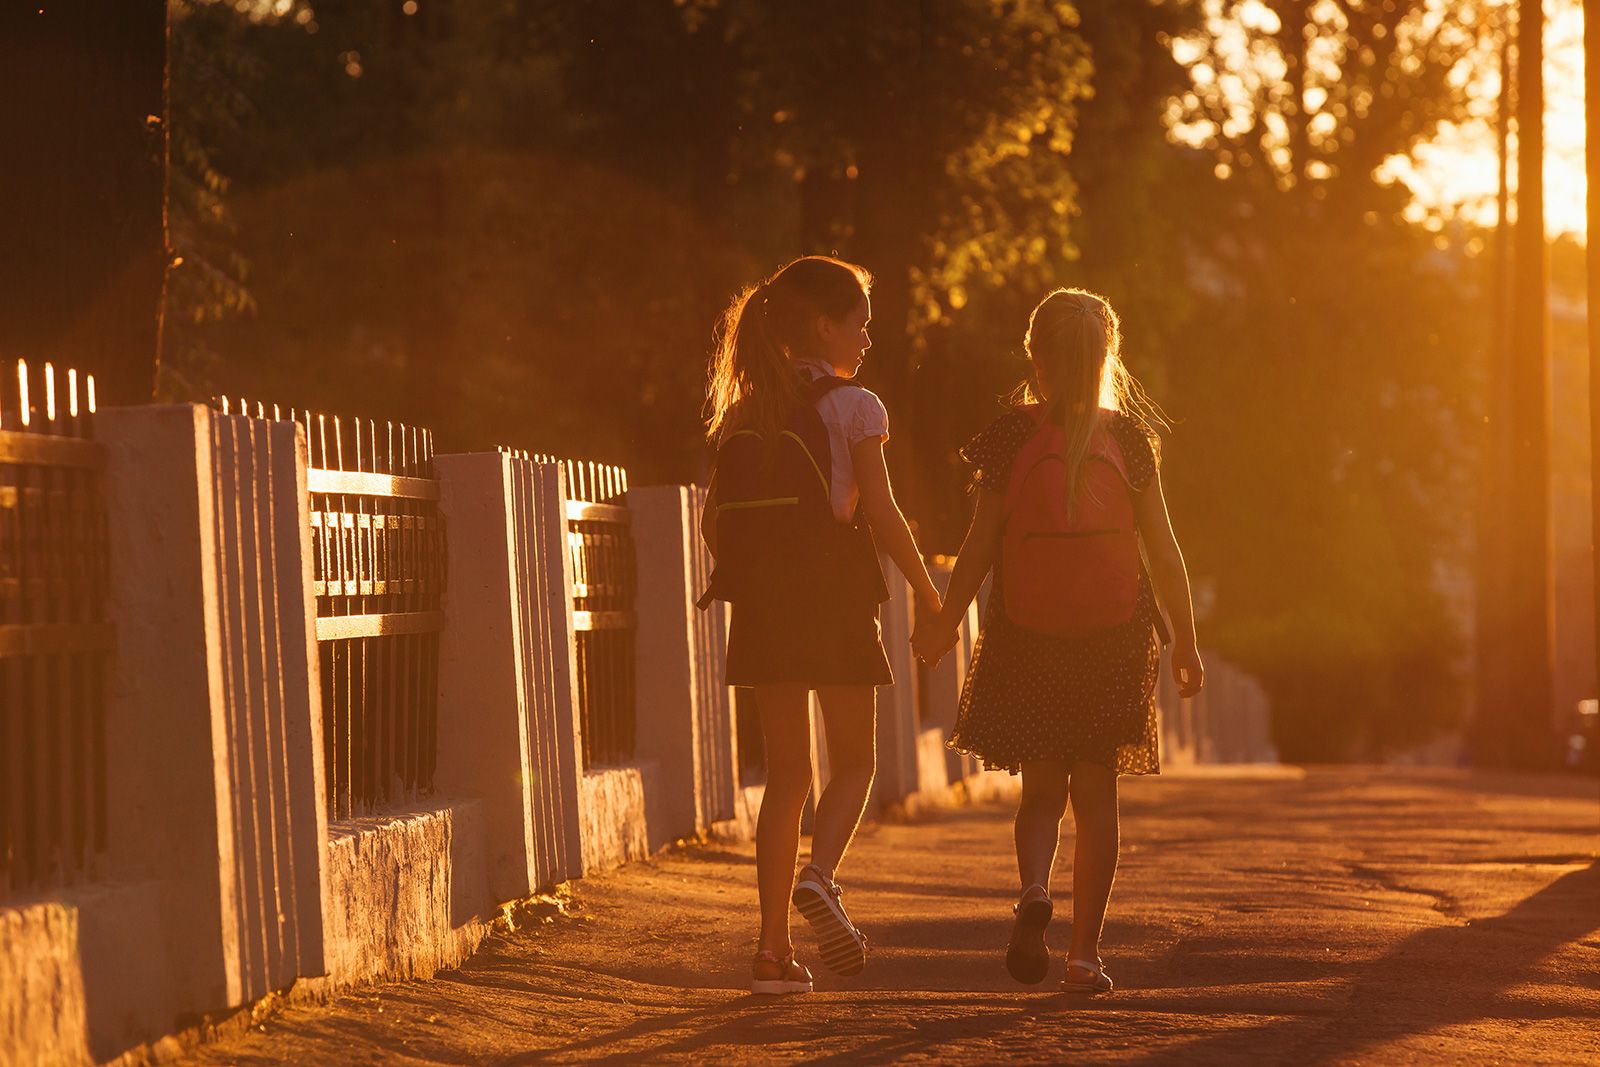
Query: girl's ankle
x=823, y=874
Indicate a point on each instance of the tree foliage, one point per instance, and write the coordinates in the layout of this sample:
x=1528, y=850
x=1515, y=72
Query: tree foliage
x=1335, y=396
x=515, y=222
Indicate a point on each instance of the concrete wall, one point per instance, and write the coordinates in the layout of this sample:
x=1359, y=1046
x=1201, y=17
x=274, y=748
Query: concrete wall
x=410, y=892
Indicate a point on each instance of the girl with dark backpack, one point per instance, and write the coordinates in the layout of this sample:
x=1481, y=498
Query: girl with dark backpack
x=1061, y=687
x=799, y=504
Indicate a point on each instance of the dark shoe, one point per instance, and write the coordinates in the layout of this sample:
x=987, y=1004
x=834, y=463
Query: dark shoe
x=1027, y=958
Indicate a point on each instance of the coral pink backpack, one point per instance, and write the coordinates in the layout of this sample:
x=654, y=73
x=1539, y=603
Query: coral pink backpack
x=1069, y=576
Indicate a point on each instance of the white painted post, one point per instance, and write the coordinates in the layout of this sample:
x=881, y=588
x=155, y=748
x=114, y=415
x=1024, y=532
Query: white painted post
x=549, y=651
x=898, y=728
x=684, y=720
x=213, y=722
x=483, y=716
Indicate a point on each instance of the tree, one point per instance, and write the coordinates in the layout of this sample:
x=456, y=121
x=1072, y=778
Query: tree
x=1527, y=719
x=1321, y=455
x=84, y=91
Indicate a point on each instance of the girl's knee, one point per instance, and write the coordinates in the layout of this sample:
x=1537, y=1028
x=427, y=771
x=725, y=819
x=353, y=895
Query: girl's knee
x=861, y=765
x=788, y=779
x=1043, y=802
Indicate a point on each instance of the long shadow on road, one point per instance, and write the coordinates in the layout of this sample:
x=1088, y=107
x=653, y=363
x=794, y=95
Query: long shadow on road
x=1435, y=978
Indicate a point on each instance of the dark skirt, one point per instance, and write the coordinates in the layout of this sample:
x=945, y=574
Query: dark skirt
x=827, y=640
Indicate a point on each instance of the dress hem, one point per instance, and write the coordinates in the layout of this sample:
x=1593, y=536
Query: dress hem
x=1014, y=767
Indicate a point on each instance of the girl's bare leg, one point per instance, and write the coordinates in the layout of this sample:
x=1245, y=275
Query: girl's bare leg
x=850, y=712
x=786, y=730
x=1038, y=825
x=1094, y=860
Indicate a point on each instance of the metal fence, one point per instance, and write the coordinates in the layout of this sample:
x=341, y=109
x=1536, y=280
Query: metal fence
x=605, y=579
x=378, y=572
x=54, y=636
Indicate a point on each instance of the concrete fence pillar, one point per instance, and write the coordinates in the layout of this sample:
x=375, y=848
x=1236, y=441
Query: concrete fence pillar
x=685, y=714
x=898, y=728
x=484, y=748
x=213, y=722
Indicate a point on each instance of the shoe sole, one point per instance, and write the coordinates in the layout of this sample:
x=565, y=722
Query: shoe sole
x=777, y=987
x=841, y=949
x=1027, y=958
x=1084, y=989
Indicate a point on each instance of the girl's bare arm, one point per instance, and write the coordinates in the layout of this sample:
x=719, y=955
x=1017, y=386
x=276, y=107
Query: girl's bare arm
x=1171, y=580
x=888, y=523
x=977, y=555
x=932, y=641
x=708, y=519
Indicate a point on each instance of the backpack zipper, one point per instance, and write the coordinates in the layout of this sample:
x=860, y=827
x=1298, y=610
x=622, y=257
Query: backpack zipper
x=772, y=502
x=1069, y=533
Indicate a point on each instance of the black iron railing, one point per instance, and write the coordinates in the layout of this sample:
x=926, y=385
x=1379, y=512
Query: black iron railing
x=378, y=571
x=54, y=635
x=605, y=580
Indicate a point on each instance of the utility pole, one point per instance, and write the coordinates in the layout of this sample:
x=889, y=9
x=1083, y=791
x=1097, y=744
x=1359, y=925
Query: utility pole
x=1528, y=723
x=1591, y=108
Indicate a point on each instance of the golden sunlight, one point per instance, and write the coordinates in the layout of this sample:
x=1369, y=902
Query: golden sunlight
x=1455, y=172
x=1452, y=175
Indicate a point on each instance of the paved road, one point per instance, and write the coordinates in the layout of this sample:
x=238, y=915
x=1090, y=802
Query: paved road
x=1334, y=916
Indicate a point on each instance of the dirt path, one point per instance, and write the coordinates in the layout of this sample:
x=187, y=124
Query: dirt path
x=1341, y=915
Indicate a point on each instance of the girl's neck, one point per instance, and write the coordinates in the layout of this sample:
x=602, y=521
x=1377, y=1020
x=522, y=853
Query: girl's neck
x=817, y=363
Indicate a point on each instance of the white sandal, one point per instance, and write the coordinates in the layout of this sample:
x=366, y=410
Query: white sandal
x=772, y=976
x=843, y=947
x=1098, y=980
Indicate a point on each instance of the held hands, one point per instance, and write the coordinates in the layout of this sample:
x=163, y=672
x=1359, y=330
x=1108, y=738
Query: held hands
x=933, y=636
x=1187, y=670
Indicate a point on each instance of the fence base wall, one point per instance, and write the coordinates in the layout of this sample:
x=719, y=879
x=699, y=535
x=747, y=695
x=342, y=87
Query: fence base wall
x=42, y=1013
x=409, y=892
x=615, y=803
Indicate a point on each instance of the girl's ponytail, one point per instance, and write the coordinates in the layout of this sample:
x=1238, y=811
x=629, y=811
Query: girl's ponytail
x=751, y=380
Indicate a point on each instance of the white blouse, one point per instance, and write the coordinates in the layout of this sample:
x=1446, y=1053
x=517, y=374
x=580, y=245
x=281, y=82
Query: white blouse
x=851, y=414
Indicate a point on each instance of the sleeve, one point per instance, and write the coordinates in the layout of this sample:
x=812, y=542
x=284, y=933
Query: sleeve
x=992, y=451
x=868, y=417
x=1141, y=449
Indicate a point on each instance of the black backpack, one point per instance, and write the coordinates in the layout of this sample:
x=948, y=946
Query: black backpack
x=777, y=537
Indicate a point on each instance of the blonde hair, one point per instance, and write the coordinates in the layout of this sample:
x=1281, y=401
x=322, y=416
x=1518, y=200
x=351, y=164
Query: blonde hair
x=762, y=328
x=1075, y=341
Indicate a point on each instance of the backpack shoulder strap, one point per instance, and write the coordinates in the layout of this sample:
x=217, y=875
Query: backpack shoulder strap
x=818, y=388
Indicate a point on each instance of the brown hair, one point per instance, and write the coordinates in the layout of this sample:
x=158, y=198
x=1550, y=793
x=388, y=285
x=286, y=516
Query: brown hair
x=1075, y=341
x=763, y=328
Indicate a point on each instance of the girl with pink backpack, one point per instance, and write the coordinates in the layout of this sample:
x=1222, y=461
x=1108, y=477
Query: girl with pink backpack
x=1062, y=683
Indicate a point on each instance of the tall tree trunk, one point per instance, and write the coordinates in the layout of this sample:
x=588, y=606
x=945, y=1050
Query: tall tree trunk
x=1528, y=715
x=84, y=85
x=1494, y=464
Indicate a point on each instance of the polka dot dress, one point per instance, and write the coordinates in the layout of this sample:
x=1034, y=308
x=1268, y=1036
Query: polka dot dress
x=1032, y=696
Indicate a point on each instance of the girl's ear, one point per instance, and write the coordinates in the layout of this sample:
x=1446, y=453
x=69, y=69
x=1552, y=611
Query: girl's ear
x=822, y=328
